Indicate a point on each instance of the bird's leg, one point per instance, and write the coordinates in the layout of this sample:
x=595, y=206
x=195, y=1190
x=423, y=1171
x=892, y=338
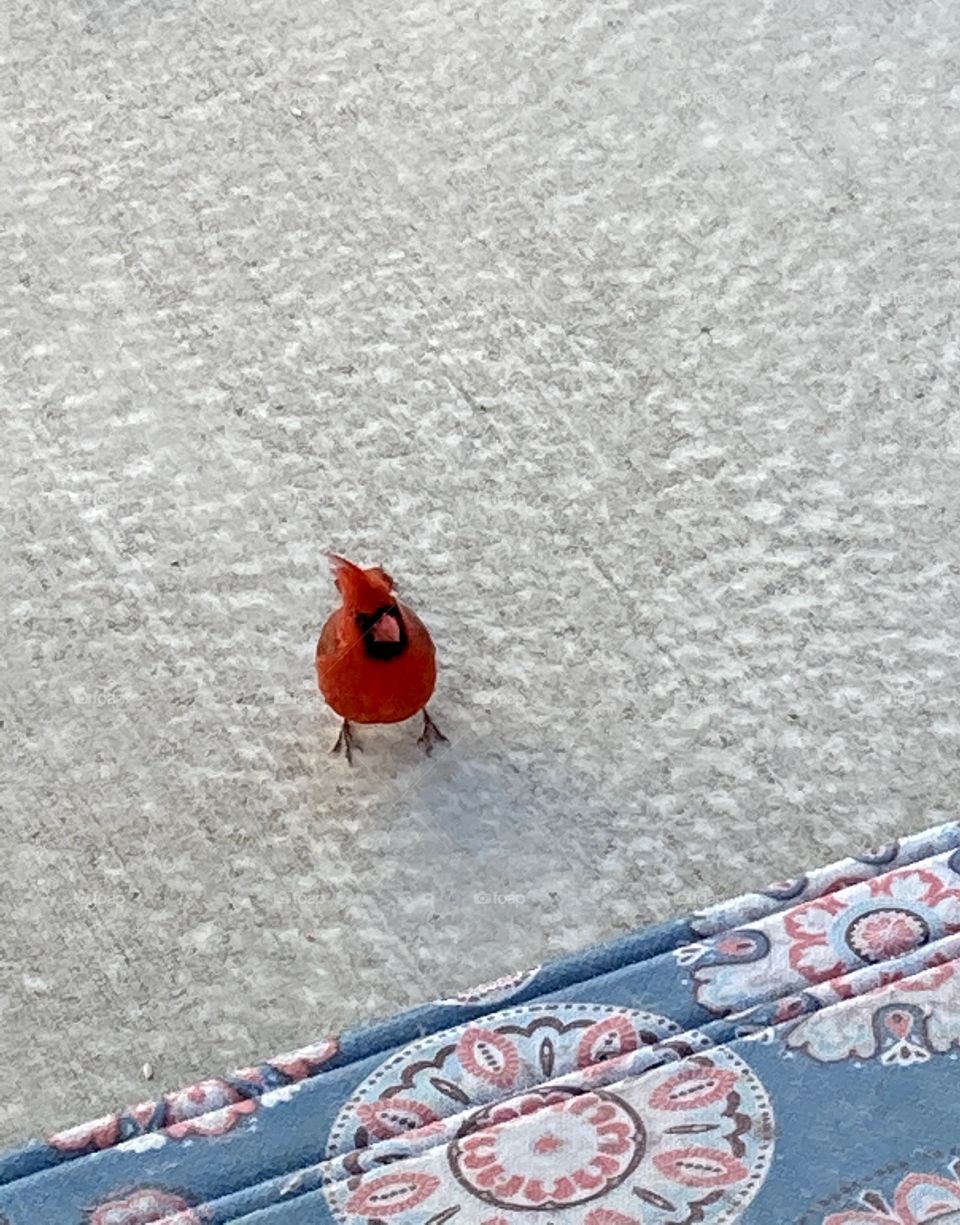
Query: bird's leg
x=430, y=735
x=347, y=742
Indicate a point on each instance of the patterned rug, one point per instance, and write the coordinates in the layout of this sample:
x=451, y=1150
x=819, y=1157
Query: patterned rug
x=787, y=1057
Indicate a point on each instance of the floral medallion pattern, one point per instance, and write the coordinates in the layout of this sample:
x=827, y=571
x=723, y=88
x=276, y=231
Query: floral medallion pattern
x=601, y=1129
x=144, y=1206
x=685, y=1143
x=828, y=1029
x=875, y=921
x=749, y=907
x=477, y=1064
x=901, y=1024
x=919, y=1199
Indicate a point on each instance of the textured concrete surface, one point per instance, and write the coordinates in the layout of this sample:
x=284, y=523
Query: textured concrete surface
x=624, y=335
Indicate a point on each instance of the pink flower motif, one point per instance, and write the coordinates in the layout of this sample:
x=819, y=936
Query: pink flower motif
x=298, y=1065
x=604, y=1216
x=694, y=1087
x=518, y=1107
x=392, y=1193
x=142, y=1207
x=700, y=1167
x=889, y=932
x=788, y=1009
x=842, y=882
x=809, y=927
x=848, y=986
x=489, y=1056
x=394, y=1116
x=929, y=980
x=734, y=945
x=607, y=1039
x=616, y=1067
x=216, y=1123
x=940, y=968
x=899, y=1024
x=578, y=1147
x=100, y=1134
x=692, y=1141
x=474, y=1063
x=895, y=915
x=143, y=1112
x=919, y=1199
x=198, y=1099
x=813, y=919
x=914, y=884
x=252, y=1075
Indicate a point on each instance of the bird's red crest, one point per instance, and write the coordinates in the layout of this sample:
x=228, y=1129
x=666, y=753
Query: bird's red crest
x=363, y=590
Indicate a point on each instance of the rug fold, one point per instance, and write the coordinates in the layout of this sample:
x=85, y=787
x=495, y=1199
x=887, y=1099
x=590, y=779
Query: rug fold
x=788, y=1056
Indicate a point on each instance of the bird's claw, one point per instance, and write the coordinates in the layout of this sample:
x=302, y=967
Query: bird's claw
x=430, y=735
x=347, y=742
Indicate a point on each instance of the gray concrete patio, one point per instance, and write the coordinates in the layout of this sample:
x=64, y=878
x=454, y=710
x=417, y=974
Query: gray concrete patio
x=624, y=335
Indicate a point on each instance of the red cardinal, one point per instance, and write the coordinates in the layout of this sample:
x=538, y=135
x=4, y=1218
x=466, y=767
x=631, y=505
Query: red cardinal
x=376, y=661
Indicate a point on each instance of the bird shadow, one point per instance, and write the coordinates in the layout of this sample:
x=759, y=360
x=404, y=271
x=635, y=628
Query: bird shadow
x=475, y=819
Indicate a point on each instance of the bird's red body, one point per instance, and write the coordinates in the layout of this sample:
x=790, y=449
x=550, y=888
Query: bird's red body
x=366, y=690
x=376, y=662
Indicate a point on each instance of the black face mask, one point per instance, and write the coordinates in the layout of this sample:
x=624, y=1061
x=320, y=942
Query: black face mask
x=378, y=647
